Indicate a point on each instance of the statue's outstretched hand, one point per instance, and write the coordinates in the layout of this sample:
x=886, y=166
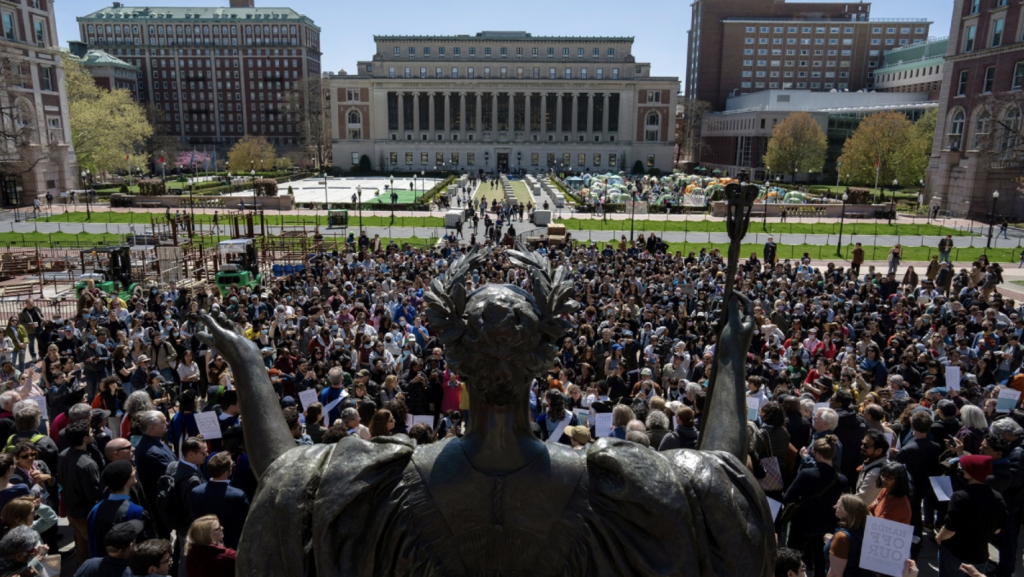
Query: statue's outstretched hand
x=221, y=334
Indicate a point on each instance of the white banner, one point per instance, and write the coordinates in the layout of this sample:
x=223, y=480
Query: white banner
x=695, y=200
x=886, y=546
x=641, y=207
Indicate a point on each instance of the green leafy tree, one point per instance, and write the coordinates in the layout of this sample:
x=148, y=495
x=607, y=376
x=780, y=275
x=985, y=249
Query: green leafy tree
x=888, y=139
x=798, y=144
x=251, y=152
x=106, y=125
x=912, y=159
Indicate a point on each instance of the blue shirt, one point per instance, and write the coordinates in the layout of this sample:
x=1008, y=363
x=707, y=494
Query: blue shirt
x=327, y=396
x=106, y=511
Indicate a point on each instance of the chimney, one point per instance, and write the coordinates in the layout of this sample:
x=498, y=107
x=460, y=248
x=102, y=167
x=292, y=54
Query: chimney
x=243, y=3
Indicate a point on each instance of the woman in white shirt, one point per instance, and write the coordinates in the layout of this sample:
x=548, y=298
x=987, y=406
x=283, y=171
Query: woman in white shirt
x=188, y=371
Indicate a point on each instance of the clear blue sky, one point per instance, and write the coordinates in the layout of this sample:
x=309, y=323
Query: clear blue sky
x=347, y=28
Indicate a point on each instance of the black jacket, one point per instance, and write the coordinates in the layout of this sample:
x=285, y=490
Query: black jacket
x=186, y=478
x=945, y=429
x=922, y=460
x=79, y=477
x=850, y=430
x=799, y=428
x=680, y=438
x=816, y=514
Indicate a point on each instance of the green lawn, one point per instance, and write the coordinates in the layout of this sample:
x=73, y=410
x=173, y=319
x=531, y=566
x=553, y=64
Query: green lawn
x=271, y=219
x=86, y=239
x=824, y=254
x=658, y=224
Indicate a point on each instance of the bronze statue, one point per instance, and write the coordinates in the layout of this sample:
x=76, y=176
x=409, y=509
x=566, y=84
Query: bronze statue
x=499, y=502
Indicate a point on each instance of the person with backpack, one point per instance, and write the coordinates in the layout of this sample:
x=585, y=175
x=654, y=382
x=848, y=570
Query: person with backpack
x=174, y=490
x=79, y=477
x=842, y=549
x=118, y=478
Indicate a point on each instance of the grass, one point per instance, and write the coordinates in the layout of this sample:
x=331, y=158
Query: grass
x=519, y=187
x=662, y=225
x=821, y=254
x=271, y=219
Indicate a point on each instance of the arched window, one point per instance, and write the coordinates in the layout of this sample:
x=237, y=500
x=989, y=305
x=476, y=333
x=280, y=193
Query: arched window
x=354, y=117
x=1011, y=129
x=653, y=119
x=982, y=129
x=954, y=135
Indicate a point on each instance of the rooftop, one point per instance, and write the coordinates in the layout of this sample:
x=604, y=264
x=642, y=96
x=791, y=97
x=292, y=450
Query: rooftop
x=932, y=49
x=492, y=35
x=100, y=58
x=810, y=101
x=119, y=12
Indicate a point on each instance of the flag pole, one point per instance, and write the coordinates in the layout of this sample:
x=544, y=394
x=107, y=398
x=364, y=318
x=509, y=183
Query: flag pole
x=878, y=168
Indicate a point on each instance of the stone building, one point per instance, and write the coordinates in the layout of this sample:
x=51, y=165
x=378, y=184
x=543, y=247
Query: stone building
x=503, y=100
x=107, y=71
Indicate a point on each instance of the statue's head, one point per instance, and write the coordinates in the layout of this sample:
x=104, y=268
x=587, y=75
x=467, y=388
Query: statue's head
x=499, y=337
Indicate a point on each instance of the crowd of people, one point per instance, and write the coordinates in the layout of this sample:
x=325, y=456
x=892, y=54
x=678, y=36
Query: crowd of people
x=856, y=409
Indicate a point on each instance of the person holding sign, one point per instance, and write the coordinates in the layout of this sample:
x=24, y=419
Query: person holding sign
x=975, y=513
x=845, y=545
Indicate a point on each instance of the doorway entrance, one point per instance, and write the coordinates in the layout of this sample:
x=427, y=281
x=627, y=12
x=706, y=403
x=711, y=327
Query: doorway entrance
x=502, y=162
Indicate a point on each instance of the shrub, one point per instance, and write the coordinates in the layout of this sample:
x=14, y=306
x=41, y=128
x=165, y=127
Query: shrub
x=654, y=171
x=124, y=189
x=266, y=187
x=290, y=191
x=152, y=187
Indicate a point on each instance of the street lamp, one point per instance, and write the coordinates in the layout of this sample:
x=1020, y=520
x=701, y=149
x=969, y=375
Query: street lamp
x=326, y=204
x=767, y=186
x=191, y=207
x=253, y=172
x=839, y=173
x=359, y=192
x=632, y=214
x=992, y=220
x=842, y=216
x=892, y=207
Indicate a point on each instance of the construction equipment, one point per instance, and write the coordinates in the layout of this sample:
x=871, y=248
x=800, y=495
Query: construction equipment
x=239, y=265
x=112, y=273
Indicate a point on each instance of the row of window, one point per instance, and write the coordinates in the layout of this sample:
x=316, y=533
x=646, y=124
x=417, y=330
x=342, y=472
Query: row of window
x=989, y=80
x=995, y=37
x=136, y=41
x=553, y=160
x=37, y=24
x=831, y=30
x=908, y=74
x=503, y=72
x=789, y=74
x=190, y=30
x=790, y=85
x=503, y=52
x=1009, y=127
x=802, y=63
x=804, y=52
x=807, y=41
x=976, y=5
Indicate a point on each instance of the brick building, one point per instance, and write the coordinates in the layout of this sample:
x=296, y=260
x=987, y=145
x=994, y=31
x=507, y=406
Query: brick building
x=743, y=46
x=217, y=73
x=107, y=71
x=503, y=100
x=34, y=99
x=978, y=140
x=914, y=68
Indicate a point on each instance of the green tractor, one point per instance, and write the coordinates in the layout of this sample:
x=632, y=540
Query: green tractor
x=239, y=265
x=113, y=274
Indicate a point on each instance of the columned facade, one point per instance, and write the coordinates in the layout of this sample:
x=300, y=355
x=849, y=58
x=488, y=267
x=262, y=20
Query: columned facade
x=489, y=113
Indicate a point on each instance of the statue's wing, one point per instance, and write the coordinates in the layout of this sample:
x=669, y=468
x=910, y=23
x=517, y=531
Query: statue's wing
x=446, y=299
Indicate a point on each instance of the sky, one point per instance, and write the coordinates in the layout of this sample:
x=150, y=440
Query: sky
x=347, y=28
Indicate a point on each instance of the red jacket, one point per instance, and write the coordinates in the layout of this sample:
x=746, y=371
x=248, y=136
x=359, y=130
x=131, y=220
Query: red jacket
x=210, y=561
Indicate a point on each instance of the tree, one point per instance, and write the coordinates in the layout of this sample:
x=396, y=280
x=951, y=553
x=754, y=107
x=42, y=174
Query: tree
x=106, y=125
x=912, y=159
x=161, y=143
x=688, y=143
x=252, y=152
x=189, y=160
x=888, y=140
x=798, y=144
x=308, y=102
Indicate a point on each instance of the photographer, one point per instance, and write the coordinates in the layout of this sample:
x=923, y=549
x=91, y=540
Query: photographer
x=111, y=396
x=159, y=391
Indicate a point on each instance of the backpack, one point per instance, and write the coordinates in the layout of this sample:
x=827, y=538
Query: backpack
x=168, y=509
x=11, y=441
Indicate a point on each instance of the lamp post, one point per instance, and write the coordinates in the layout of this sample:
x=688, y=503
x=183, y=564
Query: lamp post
x=992, y=219
x=253, y=172
x=359, y=193
x=632, y=214
x=326, y=203
x=839, y=174
x=842, y=217
x=394, y=198
x=892, y=206
x=767, y=186
x=191, y=208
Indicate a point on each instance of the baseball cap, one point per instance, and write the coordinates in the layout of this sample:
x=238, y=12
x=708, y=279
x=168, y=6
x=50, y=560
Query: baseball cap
x=122, y=535
x=580, y=434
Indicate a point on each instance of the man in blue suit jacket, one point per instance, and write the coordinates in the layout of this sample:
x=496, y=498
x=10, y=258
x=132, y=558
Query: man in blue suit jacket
x=218, y=497
x=152, y=457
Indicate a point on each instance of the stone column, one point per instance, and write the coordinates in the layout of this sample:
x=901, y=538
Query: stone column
x=447, y=116
x=543, y=116
x=401, y=116
x=479, y=115
x=590, y=116
x=416, y=114
x=558, y=118
x=430, y=118
x=494, y=116
x=575, y=115
x=526, y=125
x=604, y=116
x=462, y=116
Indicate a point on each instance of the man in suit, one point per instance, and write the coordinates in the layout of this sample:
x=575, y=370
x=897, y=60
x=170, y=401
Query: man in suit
x=187, y=476
x=921, y=457
x=152, y=458
x=218, y=497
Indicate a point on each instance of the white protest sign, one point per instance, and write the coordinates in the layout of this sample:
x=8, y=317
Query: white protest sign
x=208, y=425
x=583, y=416
x=775, y=507
x=753, y=405
x=886, y=546
x=943, y=487
x=307, y=397
x=953, y=377
x=428, y=420
x=603, y=425
x=1007, y=400
x=820, y=406
x=41, y=401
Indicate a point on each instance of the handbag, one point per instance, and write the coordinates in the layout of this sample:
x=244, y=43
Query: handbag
x=772, y=480
x=790, y=510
